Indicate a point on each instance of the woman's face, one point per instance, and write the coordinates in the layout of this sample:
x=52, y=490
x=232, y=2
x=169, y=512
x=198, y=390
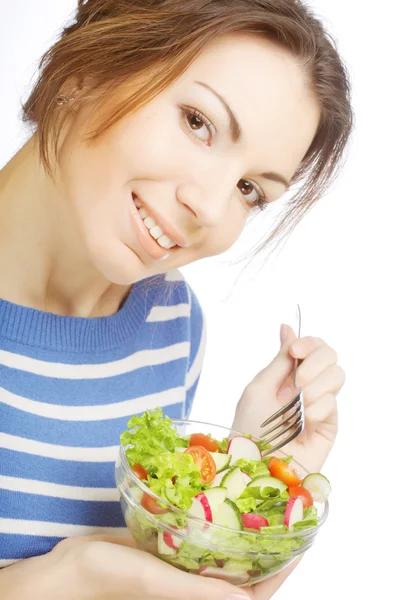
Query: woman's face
x=177, y=180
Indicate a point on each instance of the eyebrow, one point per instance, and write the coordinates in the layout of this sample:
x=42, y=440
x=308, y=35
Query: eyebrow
x=236, y=133
x=235, y=129
x=276, y=177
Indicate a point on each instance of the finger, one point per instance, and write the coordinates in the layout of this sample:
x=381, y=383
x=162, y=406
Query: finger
x=314, y=364
x=279, y=369
x=159, y=580
x=321, y=411
x=304, y=346
x=329, y=381
x=266, y=589
x=120, y=540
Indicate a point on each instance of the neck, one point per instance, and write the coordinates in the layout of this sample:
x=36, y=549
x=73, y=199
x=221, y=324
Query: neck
x=43, y=261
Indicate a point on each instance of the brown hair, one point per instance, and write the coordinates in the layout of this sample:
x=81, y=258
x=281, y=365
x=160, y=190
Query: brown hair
x=112, y=42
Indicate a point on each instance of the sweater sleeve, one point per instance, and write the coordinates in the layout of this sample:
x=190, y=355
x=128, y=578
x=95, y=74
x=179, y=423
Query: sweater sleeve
x=197, y=335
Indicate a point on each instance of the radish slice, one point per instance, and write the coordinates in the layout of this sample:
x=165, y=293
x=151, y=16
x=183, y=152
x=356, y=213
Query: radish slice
x=242, y=447
x=173, y=541
x=201, y=508
x=163, y=547
x=294, y=511
x=254, y=572
x=254, y=521
x=233, y=577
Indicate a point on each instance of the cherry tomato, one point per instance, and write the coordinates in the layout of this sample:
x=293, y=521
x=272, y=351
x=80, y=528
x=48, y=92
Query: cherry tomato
x=199, y=439
x=302, y=493
x=204, y=461
x=140, y=471
x=281, y=470
x=151, y=504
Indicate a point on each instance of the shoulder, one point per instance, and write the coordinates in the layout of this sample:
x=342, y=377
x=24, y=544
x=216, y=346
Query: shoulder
x=172, y=290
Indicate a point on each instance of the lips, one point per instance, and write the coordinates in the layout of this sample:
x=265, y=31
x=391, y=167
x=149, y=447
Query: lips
x=168, y=230
x=154, y=229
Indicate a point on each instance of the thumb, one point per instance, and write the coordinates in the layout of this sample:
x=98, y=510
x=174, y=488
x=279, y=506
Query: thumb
x=165, y=582
x=280, y=368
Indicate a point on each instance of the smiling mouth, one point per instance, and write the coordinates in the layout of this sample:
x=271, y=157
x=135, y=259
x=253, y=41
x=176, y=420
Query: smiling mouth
x=159, y=230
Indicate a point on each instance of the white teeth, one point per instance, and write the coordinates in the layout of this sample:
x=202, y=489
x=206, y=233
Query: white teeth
x=149, y=222
x=165, y=242
x=137, y=203
x=156, y=232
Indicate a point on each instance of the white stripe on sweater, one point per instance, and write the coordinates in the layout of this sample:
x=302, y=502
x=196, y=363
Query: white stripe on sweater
x=168, y=313
x=55, y=490
x=144, y=358
x=44, y=528
x=19, y=444
x=7, y=563
x=96, y=412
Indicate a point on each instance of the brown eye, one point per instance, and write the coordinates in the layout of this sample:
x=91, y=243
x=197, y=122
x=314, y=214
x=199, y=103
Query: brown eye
x=251, y=194
x=245, y=187
x=195, y=122
x=198, y=125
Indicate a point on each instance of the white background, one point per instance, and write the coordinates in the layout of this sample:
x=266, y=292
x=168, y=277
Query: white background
x=341, y=264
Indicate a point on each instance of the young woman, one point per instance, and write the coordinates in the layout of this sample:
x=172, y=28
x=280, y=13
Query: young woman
x=159, y=127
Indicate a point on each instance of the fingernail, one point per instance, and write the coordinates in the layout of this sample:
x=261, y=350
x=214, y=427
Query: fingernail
x=296, y=349
x=283, y=333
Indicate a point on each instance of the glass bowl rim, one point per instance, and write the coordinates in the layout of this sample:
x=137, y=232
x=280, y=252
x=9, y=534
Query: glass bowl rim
x=183, y=513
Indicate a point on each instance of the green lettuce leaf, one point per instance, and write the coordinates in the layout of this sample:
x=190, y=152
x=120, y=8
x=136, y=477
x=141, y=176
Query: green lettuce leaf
x=153, y=433
x=224, y=445
x=305, y=524
x=254, y=468
x=246, y=505
x=310, y=512
x=187, y=478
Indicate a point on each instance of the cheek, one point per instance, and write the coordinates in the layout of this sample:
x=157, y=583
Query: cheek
x=224, y=236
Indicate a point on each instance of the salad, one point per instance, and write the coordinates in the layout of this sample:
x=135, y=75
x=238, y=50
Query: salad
x=217, y=507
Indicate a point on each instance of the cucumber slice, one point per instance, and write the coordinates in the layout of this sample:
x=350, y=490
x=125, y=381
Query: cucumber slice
x=238, y=565
x=228, y=515
x=234, y=482
x=218, y=478
x=221, y=460
x=215, y=496
x=318, y=486
x=265, y=481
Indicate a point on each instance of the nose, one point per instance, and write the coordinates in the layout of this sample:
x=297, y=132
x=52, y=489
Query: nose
x=209, y=208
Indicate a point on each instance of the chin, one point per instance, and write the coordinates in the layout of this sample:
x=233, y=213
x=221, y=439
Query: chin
x=120, y=266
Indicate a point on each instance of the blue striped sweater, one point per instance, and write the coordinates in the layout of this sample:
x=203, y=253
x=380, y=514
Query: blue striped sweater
x=67, y=388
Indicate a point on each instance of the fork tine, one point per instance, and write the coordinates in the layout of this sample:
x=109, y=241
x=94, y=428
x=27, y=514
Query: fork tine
x=298, y=430
x=280, y=412
x=281, y=423
x=288, y=428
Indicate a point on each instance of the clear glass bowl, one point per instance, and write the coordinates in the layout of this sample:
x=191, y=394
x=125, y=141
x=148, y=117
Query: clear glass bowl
x=242, y=557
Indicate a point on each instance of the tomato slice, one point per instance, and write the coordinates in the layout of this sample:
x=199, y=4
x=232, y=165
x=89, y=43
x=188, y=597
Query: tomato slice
x=151, y=504
x=302, y=493
x=204, y=461
x=140, y=471
x=199, y=439
x=281, y=470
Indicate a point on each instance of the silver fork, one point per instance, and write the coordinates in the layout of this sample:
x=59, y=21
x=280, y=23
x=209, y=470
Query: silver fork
x=288, y=426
